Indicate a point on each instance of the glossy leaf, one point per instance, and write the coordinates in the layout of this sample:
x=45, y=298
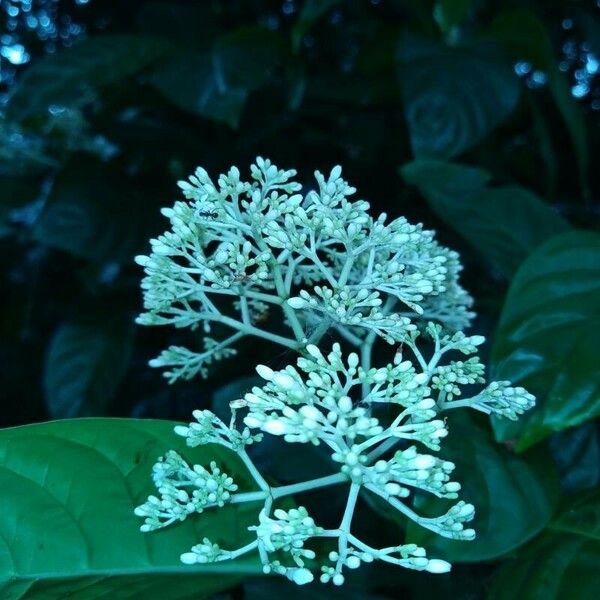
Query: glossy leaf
x=453, y=97
x=70, y=77
x=86, y=362
x=548, y=335
x=514, y=496
x=576, y=452
x=504, y=224
x=66, y=514
x=563, y=563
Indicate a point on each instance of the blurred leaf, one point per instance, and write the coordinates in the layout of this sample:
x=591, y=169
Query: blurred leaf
x=591, y=28
x=547, y=337
x=575, y=122
x=453, y=97
x=504, y=224
x=527, y=39
x=524, y=36
x=562, y=563
x=216, y=84
x=311, y=12
x=95, y=213
x=85, y=364
x=14, y=193
x=66, y=514
x=450, y=13
x=576, y=452
x=514, y=496
x=67, y=77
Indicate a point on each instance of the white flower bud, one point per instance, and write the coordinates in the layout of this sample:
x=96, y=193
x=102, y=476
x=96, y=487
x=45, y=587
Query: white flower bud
x=435, y=565
x=297, y=303
x=265, y=372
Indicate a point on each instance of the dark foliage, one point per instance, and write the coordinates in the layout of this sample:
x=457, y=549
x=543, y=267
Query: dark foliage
x=420, y=103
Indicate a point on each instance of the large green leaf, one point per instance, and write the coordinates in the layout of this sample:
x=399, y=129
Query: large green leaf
x=504, y=224
x=563, y=563
x=547, y=337
x=68, y=77
x=215, y=84
x=514, y=497
x=67, y=526
x=453, y=97
x=86, y=362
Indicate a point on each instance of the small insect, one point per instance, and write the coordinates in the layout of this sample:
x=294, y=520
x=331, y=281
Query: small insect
x=208, y=214
x=240, y=277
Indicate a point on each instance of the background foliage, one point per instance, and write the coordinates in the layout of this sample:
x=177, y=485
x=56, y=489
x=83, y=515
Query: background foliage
x=478, y=118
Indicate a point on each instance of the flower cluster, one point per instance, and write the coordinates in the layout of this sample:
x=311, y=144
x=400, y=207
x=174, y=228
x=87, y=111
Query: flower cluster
x=257, y=242
x=261, y=246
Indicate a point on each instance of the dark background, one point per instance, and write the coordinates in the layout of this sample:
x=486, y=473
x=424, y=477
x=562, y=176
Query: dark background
x=105, y=105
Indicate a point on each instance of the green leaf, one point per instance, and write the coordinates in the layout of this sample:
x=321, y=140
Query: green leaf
x=504, y=224
x=86, y=362
x=453, y=97
x=562, y=563
x=68, y=78
x=95, y=213
x=216, y=84
x=576, y=452
x=514, y=496
x=548, y=334
x=67, y=526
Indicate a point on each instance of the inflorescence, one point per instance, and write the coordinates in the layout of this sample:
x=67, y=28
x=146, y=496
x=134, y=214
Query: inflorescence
x=328, y=266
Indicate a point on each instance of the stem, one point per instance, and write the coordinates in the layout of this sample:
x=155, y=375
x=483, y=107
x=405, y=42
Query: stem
x=244, y=550
x=349, y=336
x=312, y=484
x=346, y=270
x=380, y=450
x=345, y=525
x=365, y=360
x=252, y=330
x=273, y=493
x=281, y=291
x=319, y=332
x=260, y=481
x=350, y=505
x=411, y=514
